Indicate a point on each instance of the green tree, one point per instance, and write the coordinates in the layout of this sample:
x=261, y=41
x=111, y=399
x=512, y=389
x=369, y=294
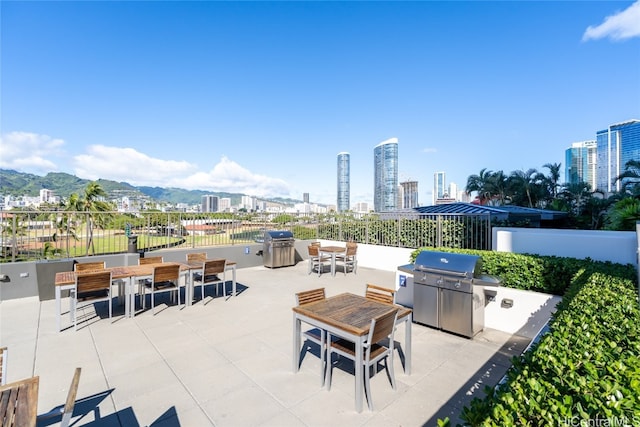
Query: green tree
x=553, y=179
x=630, y=178
x=92, y=204
x=623, y=215
x=480, y=184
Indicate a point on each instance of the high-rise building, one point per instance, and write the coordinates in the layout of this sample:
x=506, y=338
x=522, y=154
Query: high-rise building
x=343, y=181
x=305, y=197
x=580, y=163
x=209, y=203
x=453, y=191
x=439, y=186
x=616, y=145
x=409, y=194
x=385, y=175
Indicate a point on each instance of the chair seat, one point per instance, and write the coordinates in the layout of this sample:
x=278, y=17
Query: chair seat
x=314, y=334
x=162, y=285
x=88, y=296
x=348, y=347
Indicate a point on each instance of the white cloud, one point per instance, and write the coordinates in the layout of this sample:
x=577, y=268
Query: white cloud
x=29, y=152
x=129, y=165
x=430, y=150
x=620, y=26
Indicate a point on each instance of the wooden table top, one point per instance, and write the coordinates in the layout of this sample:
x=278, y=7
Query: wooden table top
x=349, y=312
x=332, y=248
x=19, y=403
x=122, y=272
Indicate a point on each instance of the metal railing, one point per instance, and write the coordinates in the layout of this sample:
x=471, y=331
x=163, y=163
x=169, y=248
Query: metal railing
x=38, y=235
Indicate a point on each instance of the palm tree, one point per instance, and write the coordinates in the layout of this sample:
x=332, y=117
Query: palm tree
x=630, y=177
x=553, y=178
x=90, y=203
x=481, y=185
x=498, y=184
x=623, y=215
x=526, y=186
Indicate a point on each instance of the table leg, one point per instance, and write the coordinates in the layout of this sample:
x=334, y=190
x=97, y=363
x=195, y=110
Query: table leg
x=188, y=288
x=58, y=306
x=359, y=367
x=407, y=344
x=233, y=272
x=333, y=263
x=297, y=325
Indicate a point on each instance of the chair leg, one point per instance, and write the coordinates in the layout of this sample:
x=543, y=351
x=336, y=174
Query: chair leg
x=390, y=369
x=329, y=368
x=367, y=386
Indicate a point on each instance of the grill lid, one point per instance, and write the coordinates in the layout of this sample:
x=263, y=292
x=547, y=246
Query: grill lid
x=278, y=235
x=461, y=265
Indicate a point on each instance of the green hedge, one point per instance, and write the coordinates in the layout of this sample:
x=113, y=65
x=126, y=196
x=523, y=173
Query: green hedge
x=548, y=274
x=586, y=369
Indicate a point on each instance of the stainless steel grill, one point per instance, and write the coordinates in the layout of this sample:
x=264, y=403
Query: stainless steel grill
x=278, y=249
x=449, y=291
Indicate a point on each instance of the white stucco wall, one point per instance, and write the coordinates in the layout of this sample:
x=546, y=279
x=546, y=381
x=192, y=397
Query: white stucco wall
x=380, y=257
x=599, y=245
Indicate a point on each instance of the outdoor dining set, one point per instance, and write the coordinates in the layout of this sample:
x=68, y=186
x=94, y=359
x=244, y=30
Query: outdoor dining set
x=346, y=256
x=359, y=328
x=92, y=282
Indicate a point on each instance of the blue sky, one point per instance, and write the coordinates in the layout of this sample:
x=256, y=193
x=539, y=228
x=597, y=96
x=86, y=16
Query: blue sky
x=260, y=97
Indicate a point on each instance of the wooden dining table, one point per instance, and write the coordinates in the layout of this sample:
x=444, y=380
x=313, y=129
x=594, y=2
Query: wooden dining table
x=349, y=316
x=19, y=403
x=332, y=251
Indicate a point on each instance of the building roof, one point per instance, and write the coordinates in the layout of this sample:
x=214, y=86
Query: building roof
x=505, y=210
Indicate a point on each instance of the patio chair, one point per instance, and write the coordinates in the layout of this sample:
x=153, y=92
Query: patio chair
x=375, y=349
x=210, y=275
x=315, y=335
x=317, y=261
x=348, y=258
x=89, y=266
x=66, y=410
x=380, y=294
x=165, y=278
x=150, y=260
x=197, y=256
x=4, y=355
x=90, y=287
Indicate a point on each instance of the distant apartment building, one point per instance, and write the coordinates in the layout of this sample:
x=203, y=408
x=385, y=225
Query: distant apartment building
x=224, y=205
x=616, y=145
x=305, y=197
x=409, y=194
x=361, y=207
x=343, y=201
x=385, y=176
x=439, y=186
x=48, y=196
x=580, y=163
x=209, y=203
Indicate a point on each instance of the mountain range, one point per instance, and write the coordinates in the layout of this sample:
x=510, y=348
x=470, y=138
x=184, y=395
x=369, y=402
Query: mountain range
x=63, y=185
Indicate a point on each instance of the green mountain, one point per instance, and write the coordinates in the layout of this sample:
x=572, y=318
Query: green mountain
x=24, y=184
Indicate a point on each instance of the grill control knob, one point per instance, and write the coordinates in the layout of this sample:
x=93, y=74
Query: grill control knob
x=457, y=285
x=439, y=281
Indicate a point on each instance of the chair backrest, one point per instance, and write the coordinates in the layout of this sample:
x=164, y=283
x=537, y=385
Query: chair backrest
x=166, y=273
x=71, y=398
x=213, y=267
x=352, y=250
x=150, y=260
x=380, y=294
x=315, y=244
x=314, y=251
x=91, y=281
x=89, y=266
x=4, y=354
x=197, y=256
x=307, y=297
x=382, y=326
x=352, y=244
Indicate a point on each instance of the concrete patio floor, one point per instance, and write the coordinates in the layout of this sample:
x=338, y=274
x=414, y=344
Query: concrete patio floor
x=228, y=362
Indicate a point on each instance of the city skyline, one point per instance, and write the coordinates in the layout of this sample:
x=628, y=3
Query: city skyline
x=249, y=97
